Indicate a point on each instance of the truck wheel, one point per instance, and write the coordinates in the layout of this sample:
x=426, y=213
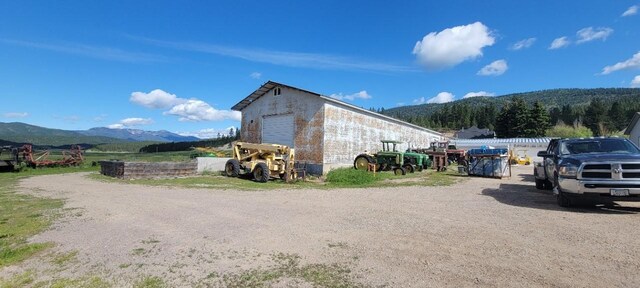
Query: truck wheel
x=232, y=168
x=399, y=171
x=561, y=197
x=539, y=184
x=362, y=162
x=261, y=173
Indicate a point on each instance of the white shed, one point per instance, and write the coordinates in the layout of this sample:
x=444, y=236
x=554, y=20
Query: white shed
x=633, y=130
x=325, y=132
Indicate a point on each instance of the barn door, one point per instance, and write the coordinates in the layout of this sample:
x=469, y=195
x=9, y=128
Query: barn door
x=278, y=129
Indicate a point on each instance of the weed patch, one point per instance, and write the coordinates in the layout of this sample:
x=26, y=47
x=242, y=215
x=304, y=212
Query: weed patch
x=150, y=282
x=22, y=217
x=64, y=258
x=288, y=267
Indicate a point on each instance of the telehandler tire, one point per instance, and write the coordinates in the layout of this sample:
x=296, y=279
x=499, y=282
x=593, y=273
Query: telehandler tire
x=232, y=168
x=261, y=173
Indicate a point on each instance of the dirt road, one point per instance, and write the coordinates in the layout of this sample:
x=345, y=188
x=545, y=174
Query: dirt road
x=479, y=232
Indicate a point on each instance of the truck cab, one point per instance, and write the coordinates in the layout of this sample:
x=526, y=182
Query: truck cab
x=595, y=168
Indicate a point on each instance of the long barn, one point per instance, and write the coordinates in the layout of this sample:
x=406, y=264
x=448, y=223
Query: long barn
x=326, y=133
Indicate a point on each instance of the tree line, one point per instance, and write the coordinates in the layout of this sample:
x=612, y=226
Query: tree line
x=517, y=118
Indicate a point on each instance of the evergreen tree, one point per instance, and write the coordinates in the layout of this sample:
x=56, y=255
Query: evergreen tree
x=616, y=117
x=554, y=115
x=595, y=116
x=566, y=115
x=504, y=122
x=538, y=121
x=513, y=119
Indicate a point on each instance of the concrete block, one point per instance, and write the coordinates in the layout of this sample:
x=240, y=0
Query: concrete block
x=211, y=164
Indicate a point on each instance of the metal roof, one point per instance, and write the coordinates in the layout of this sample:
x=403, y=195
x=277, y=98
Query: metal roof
x=266, y=87
x=498, y=141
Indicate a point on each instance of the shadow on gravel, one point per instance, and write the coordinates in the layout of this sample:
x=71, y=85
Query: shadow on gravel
x=529, y=197
x=527, y=177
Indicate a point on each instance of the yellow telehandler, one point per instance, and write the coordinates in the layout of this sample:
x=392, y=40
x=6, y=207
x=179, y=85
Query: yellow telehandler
x=263, y=161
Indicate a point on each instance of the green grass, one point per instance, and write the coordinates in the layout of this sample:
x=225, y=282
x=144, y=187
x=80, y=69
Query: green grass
x=180, y=156
x=288, y=266
x=212, y=181
x=83, y=282
x=22, y=216
x=349, y=177
x=18, y=280
x=61, y=259
x=150, y=282
x=337, y=178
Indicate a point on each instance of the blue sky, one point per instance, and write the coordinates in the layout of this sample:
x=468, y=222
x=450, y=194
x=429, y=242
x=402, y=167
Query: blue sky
x=181, y=65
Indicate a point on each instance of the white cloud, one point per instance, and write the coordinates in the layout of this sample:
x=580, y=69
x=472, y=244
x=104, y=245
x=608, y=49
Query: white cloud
x=136, y=121
x=156, y=99
x=359, y=95
x=208, y=133
x=634, y=62
x=131, y=122
x=256, y=75
x=442, y=97
x=198, y=110
x=633, y=10
x=559, y=43
x=522, y=44
x=496, y=68
x=590, y=34
x=452, y=46
x=15, y=115
x=116, y=126
x=635, y=83
x=186, y=109
x=478, y=94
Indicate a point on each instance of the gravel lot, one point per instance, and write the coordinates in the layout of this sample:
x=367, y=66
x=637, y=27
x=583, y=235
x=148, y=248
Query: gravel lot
x=478, y=232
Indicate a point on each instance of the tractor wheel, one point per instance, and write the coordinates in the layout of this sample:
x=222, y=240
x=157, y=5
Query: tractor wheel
x=261, y=173
x=527, y=163
x=362, y=162
x=409, y=168
x=399, y=171
x=232, y=168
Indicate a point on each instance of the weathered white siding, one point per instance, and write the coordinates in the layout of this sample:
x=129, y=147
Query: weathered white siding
x=349, y=132
x=308, y=117
x=327, y=133
x=634, y=136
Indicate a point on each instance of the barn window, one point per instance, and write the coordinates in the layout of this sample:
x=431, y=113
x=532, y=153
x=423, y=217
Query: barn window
x=276, y=91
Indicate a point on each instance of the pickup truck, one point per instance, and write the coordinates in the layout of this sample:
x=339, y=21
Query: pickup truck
x=600, y=169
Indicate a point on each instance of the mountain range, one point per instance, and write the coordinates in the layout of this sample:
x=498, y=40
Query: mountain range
x=18, y=132
x=138, y=135
x=552, y=98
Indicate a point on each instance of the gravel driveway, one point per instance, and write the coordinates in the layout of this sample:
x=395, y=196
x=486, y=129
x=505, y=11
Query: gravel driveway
x=478, y=232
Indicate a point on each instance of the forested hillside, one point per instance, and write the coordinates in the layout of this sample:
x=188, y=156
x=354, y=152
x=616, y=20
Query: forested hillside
x=25, y=133
x=566, y=105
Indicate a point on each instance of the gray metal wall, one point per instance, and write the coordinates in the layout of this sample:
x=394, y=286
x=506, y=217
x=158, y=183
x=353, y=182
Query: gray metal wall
x=349, y=132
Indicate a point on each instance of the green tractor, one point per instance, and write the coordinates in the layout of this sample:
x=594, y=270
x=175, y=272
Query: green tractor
x=387, y=159
x=417, y=160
